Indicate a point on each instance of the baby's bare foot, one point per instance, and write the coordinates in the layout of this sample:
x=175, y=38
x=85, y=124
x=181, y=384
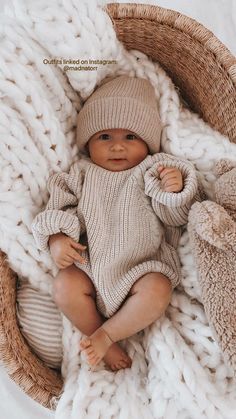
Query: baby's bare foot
x=116, y=358
x=96, y=346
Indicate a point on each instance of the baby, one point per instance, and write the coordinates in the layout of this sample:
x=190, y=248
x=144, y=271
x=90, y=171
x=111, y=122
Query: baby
x=126, y=203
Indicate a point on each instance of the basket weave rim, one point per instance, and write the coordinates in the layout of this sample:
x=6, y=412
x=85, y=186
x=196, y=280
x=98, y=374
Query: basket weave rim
x=19, y=361
x=180, y=22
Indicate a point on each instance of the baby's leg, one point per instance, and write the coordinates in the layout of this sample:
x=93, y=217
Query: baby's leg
x=74, y=295
x=147, y=301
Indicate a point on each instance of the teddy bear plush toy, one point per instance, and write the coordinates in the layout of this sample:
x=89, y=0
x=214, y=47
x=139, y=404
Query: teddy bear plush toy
x=212, y=231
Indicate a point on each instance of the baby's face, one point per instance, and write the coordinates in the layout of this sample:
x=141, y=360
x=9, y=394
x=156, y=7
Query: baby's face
x=117, y=149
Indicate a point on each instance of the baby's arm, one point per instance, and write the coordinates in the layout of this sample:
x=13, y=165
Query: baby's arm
x=60, y=214
x=172, y=186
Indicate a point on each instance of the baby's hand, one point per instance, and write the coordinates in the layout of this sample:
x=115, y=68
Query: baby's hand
x=64, y=250
x=171, y=179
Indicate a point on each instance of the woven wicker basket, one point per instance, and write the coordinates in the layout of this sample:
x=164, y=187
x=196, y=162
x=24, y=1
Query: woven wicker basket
x=205, y=72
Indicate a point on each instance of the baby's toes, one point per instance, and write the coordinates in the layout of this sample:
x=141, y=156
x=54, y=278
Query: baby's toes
x=85, y=343
x=89, y=351
x=91, y=355
x=122, y=364
x=93, y=360
x=127, y=361
x=115, y=366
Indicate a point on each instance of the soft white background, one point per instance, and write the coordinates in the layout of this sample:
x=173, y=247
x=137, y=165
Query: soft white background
x=220, y=17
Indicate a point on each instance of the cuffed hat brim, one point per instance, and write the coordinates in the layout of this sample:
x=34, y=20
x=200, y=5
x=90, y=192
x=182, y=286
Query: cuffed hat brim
x=120, y=111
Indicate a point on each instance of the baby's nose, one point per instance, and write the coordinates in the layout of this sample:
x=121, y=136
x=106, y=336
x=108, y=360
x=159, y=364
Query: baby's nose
x=117, y=145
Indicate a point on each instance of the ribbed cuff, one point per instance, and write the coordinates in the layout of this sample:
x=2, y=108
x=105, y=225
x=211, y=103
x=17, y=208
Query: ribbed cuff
x=171, y=199
x=52, y=222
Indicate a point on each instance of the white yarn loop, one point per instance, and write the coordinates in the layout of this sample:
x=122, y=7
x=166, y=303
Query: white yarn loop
x=178, y=370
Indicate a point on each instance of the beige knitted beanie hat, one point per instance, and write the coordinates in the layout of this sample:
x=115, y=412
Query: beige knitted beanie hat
x=123, y=102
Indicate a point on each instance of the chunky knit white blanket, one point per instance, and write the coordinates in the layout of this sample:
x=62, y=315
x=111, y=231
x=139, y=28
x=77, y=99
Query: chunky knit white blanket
x=178, y=370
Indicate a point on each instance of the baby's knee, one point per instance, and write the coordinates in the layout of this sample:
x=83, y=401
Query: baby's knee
x=161, y=285
x=156, y=287
x=71, y=283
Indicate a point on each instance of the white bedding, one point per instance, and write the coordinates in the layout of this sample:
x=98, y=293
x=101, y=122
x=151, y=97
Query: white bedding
x=23, y=407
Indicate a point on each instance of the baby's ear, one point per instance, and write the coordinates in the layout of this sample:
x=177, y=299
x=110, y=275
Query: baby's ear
x=86, y=149
x=224, y=166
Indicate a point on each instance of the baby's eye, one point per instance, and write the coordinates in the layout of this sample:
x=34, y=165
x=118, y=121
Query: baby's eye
x=104, y=137
x=131, y=137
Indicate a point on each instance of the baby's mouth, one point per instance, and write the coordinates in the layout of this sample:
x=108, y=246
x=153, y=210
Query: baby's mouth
x=117, y=160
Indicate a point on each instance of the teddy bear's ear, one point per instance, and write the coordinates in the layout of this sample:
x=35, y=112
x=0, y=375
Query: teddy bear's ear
x=212, y=224
x=224, y=166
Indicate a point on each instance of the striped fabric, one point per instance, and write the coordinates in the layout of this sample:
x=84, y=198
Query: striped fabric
x=40, y=323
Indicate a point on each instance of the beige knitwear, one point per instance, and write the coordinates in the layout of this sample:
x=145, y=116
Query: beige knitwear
x=121, y=216
x=124, y=102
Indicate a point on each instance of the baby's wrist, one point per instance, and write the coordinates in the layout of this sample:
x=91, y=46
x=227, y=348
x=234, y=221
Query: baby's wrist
x=53, y=238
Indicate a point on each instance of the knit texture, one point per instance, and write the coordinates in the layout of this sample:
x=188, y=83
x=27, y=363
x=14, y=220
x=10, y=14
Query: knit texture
x=122, y=214
x=124, y=102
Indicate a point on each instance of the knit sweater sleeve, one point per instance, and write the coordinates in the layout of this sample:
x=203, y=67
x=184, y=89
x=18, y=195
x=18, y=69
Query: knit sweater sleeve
x=60, y=214
x=171, y=207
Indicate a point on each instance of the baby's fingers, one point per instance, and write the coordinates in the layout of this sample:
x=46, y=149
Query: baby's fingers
x=169, y=177
x=160, y=169
x=76, y=256
x=172, y=188
x=163, y=171
x=77, y=246
x=64, y=263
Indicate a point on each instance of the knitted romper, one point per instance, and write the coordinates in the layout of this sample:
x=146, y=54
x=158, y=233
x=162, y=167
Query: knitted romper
x=131, y=227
